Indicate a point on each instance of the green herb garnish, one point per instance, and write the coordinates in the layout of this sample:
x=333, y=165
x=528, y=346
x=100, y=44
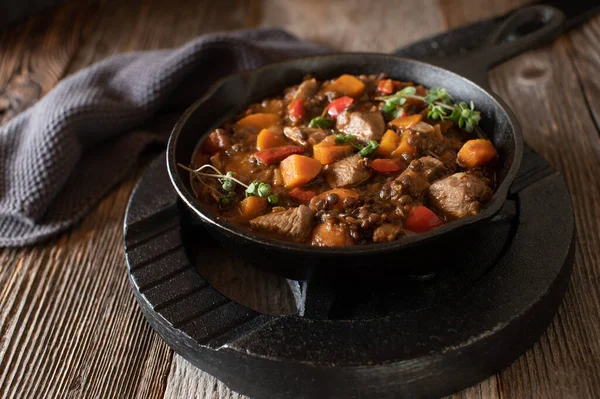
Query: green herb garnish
x=364, y=151
x=467, y=116
x=369, y=148
x=344, y=138
x=228, y=181
x=252, y=189
x=438, y=94
x=264, y=190
x=226, y=200
x=440, y=106
x=258, y=189
x=321, y=122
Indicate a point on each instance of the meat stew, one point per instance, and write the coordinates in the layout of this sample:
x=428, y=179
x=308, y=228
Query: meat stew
x=347, y=161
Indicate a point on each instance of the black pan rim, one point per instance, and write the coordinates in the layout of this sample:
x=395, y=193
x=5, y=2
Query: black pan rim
x=212, y=221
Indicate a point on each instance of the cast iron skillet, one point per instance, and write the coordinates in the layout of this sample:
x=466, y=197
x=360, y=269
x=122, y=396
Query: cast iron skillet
x=465, y=78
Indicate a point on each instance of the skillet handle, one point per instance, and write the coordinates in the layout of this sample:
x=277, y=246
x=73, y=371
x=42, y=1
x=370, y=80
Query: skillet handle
x=522, y=30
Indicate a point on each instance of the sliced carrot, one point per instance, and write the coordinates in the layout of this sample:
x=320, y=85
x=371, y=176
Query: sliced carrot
x=475, y=153
x=328, y=152
x=405, y=147
x=406, y=121
x=301, y=195
x=267, y=139
x=387, y=165
x=259, y=121
x=331, y=235
x=298, y=170
x=348, y=85
x=389, y=142
x=342, y=194
x=277, y=154
x=252, y=207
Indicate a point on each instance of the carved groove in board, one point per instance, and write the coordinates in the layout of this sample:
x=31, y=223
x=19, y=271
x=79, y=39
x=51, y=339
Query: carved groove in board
x=221, y=321
x=184, y=307
x=167, y=265
x=164, y=278
x=135, y=266
x=171, y=289
x=138, y=224
x=202, y=312
x=133, y=243
x=160, y=306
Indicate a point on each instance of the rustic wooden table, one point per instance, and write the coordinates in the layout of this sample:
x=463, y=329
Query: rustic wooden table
x=69, y=324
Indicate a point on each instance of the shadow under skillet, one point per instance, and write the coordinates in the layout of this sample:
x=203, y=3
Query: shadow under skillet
x=345, y=297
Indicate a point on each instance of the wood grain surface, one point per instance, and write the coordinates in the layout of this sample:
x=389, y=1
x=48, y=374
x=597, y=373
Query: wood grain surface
x=69, y=325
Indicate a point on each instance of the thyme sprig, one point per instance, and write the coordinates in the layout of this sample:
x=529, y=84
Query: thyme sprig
x=440, y=106
x=256, y=188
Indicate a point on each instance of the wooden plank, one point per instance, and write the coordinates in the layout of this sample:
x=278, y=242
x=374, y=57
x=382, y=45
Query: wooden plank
x=155, y=24
x=544, y=88
x=586, y=58
x=565, y=133
x=354, y=25
x=68, y=323
x=68, y=302
x=36, y=54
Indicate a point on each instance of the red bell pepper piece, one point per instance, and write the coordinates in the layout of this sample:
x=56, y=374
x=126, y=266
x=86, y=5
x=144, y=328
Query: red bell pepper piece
x=277, y=154
x=382, y=165
x=422, y=219
x=302, y=195
x=338, y=105
x=296, y=109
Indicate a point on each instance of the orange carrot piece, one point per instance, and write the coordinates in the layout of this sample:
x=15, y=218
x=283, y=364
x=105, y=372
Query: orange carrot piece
x=328, y=152
x=342, y=194
x=389, y=142
x=298, y=170
x=331, y=235
x=475, y=153
x=348, y=85
x=405, y=122
x=267, y=139
x=252, y=207
x=259, y=121
x=301, y=195
x=405, y=147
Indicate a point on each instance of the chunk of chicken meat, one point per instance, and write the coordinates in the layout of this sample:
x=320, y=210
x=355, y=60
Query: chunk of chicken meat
x=419, y=175
x=295, y=223
x=348, y=172
x=366, y=125
x=459, y=195
x=306, y=89
x=305, y=136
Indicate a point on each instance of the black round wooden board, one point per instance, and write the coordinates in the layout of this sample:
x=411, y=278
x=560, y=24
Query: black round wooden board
x=419, y=336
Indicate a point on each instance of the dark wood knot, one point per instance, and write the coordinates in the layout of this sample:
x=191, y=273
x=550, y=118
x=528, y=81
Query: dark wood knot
x=20, y=94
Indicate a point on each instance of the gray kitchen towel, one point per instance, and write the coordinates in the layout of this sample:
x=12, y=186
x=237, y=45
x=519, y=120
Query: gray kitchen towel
x=62, y=155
